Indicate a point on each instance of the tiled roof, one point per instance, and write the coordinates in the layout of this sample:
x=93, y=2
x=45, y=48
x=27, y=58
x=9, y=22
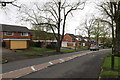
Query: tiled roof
x=13, y=28
x=73, y=36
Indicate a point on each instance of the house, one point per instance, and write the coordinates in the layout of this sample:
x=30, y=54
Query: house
x=70, y=40
x=84, y=41
x=73, y=40
x=15, y=37
x=43, y=37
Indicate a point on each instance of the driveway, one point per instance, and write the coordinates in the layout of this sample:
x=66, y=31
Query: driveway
x=6, y=51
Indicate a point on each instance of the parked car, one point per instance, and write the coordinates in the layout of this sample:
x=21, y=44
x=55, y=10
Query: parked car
x=94, y=48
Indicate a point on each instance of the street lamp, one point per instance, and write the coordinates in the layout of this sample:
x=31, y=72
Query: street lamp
x=4, y=3
x=75, y=40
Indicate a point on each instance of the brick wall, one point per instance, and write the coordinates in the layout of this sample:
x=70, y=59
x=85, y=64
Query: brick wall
x=17, y=35
x=69, y=39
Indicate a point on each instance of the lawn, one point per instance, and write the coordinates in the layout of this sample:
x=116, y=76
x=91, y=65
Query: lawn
x=107, y=63
x=33, y=54
x=82, y=48
x=40, y=49
x=67, y=50
x=18, y=50
x=107, y=72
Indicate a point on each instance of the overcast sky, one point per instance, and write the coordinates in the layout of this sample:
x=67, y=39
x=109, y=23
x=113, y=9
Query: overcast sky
x=10, y=15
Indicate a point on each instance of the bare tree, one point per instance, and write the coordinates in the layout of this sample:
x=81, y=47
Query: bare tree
x=55, y=15
x=112, y=11
x=87, y=28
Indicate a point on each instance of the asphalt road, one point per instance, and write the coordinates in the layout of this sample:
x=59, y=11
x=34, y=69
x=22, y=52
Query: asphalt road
x=87, y=66
x=10, y=66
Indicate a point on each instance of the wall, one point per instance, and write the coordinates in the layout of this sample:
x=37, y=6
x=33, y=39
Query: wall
x=67, y=37
x=17, y=36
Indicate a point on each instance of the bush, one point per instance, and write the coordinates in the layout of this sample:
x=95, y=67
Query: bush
x=36, y=44
x=3, y=44
x=51, y=46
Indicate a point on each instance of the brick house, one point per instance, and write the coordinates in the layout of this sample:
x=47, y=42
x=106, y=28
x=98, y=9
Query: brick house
x=15, y=37
x=69, y=40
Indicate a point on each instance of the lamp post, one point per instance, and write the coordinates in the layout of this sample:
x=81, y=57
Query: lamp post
x=75, y=41
x=4, y=3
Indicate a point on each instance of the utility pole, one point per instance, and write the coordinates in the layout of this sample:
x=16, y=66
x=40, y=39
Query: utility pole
x=75, y=41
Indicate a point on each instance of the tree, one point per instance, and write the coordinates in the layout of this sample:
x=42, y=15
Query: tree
x=88, y=27
x=112, y=11
x=105, y=34
x=97, y=29
x=55, y=16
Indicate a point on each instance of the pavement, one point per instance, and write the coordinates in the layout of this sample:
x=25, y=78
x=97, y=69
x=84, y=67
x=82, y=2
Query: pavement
x=24, y=67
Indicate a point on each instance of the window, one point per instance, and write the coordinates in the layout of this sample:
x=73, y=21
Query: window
x=24, y=34
x=66, y=39
x=9, y=33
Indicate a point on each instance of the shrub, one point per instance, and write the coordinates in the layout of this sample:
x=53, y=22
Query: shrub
x=3, y=44
x=51, y=46
x=36, y=44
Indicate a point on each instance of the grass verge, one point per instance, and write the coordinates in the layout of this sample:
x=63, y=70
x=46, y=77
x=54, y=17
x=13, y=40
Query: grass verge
x=18, y=50
x=68, y=50
x=107, y=63
x=110, y=73
x=40, y=49
x=107, y=72
x=33, y=54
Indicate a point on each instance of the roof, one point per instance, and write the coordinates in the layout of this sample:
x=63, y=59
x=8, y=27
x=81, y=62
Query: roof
x=13, y=28
x=72, y=36
x=42, y=35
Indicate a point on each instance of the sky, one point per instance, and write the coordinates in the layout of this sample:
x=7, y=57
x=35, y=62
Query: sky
x=10, y=15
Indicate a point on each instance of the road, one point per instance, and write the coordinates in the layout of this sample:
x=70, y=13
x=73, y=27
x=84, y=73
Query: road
x=10, y=66
x=87, y=66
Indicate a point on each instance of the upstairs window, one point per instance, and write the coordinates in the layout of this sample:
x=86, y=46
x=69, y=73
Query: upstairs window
x=24, y=34
x=9, y=33
x=66, y=39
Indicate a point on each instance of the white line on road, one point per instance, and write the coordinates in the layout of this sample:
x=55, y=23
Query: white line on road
x=33, y=68
x=70, y=58
x=50, y=63
x=61, y=60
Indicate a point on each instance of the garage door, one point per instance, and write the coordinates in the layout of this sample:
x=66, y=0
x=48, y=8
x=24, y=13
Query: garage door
x=18, y=44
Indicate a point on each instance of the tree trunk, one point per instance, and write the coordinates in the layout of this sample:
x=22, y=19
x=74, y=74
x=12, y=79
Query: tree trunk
x=58, y=35
x=58, y=46
x=117, y=46
x=89, y=42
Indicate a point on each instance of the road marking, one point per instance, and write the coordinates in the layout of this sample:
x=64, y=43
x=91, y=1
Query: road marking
x=50, y=63
x=70, y=58
x=61, y=60
x=33, y=68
